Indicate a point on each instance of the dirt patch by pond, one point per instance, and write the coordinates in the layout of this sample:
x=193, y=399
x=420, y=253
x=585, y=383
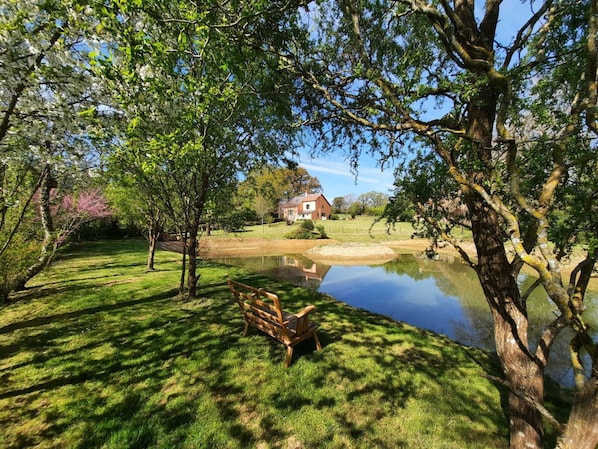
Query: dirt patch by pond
x=331, y=249
x=213, y=247
x=253, y=246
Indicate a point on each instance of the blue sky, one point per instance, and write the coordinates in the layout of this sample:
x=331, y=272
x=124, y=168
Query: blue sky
x=334, y=173
x=333, y=170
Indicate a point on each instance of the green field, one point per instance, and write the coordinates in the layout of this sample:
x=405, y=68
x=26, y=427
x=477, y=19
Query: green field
x=359, y=229
x=101, y=354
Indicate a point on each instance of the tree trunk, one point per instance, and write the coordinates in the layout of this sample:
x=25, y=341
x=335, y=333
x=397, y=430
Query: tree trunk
x=520, y=368
x=184, y=263
x=192, y=275
x=151, y=251
x=48, y=244
x=198, y=209
x=526, y=427
x=582, y=428
x=155, y=228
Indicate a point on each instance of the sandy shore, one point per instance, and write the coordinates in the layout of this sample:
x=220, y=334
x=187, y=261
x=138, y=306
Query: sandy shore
x=211, y=247
x=219, y=247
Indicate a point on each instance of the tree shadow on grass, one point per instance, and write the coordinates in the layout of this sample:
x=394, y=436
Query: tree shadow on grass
x=168, y=373
x=146, y=351
x=45, y=320
x=377, y=360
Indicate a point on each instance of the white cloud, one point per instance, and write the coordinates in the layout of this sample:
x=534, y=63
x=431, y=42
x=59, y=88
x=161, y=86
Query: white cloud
x=331, y=168
x=338, y=174
x=334, y=173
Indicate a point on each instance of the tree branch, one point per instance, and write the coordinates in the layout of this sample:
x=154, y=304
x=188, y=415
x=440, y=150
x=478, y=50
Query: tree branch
x=525, y=32
x=20, y=88
x=534, y=403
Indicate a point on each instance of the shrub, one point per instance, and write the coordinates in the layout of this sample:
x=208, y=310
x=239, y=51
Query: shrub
x=307, y=225
x=322, y=232
x=300, y=234
x=305, y=231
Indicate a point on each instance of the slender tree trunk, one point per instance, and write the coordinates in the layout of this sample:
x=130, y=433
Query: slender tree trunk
x=192, y=275
x=183, y=269
x=198, y=209
x=48, y=244
x=155, y=228
x=151, y=251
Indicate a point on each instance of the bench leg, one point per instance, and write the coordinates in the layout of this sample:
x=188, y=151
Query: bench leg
x=287, y=360
x=317, y=340
x=246, y=329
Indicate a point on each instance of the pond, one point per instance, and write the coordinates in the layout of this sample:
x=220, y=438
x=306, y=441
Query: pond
x=442, y=296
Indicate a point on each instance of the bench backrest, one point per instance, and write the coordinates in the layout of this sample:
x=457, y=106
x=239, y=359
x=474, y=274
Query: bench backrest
x=258, y=304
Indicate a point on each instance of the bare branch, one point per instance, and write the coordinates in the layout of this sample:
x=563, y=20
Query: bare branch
x=525, y=32
x=548, y=337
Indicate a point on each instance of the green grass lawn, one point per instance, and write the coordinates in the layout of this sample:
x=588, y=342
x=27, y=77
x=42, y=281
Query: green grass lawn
x=360, y=229
x=100, y=354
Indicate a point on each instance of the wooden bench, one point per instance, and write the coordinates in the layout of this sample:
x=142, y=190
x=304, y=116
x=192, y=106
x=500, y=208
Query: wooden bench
x=262, y=310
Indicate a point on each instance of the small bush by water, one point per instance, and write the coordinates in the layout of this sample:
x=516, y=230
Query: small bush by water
x=307, y=231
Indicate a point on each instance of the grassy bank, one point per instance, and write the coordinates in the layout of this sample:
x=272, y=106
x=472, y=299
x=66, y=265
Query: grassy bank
x=102, y=354
x=359, y=229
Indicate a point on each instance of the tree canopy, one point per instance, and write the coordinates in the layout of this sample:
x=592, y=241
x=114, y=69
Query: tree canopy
x=200, y=109
x=48, y=99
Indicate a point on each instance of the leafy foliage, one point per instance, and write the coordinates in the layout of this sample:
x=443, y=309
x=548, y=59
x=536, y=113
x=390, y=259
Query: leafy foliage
x=307, y=230
x=200, y=108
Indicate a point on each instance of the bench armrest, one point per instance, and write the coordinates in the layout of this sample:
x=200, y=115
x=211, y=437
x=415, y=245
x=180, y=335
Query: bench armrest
x=299, y=322
x=305, y=311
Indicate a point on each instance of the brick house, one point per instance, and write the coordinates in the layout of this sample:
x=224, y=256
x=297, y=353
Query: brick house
x=313, y=206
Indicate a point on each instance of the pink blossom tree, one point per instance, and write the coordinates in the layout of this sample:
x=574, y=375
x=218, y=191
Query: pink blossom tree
x=76, y=209
x=60, y=217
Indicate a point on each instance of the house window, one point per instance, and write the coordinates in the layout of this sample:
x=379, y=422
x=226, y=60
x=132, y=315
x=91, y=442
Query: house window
x=307, y=207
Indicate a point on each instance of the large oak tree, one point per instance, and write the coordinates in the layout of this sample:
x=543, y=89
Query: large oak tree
x=502, y=123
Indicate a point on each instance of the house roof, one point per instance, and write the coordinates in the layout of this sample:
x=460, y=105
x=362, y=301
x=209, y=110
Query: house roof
x=303, y=198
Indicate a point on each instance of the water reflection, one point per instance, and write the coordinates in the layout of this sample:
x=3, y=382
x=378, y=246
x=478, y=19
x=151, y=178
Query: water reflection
x=444, y=297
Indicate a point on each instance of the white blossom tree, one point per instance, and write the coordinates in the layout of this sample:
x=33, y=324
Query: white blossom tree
x=48, y=100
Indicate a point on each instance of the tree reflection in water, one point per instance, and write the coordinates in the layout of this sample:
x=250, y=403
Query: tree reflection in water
x=442, y=296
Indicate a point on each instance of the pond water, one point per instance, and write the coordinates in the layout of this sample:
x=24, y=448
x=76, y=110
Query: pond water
x=442, y=296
